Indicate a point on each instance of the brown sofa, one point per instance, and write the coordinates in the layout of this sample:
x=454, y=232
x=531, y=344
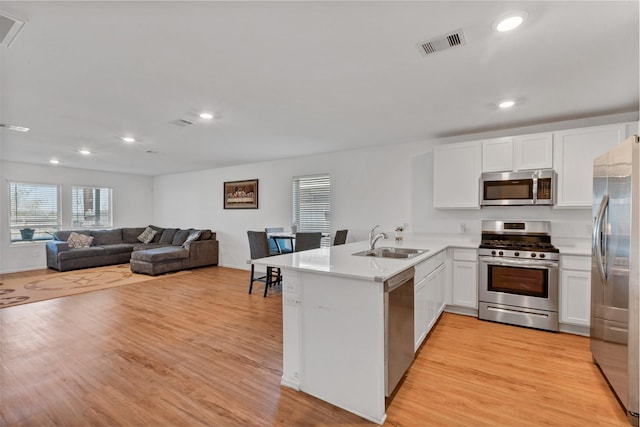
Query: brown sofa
x=167, y=251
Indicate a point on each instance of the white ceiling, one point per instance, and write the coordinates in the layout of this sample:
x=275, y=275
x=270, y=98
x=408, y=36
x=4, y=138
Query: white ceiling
x=295, y=78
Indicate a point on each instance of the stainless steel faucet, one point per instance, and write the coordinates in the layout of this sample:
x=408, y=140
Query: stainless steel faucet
x=373, y=239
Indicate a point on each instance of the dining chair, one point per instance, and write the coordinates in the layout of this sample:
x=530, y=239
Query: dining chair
x=340, y=238
x=307, y=240
x=278, y=246
x=259, y=248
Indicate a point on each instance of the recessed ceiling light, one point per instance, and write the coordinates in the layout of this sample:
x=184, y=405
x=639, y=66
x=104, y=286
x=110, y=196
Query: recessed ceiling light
x=85, y=152
x=14, y=127
x=206, y=116
x=128, y=139
x=509, y=21
x=54, y=161
x=506, y=104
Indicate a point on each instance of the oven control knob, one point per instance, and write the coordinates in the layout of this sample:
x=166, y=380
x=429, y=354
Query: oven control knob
x=533, y=255
x=493, y=252
x=500, y=253
x=541, y=255
x=516, y=253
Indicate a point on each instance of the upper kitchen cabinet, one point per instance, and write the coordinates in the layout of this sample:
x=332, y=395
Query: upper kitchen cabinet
x=532, y=152
x=574, y=151
x=524, y=152
x=456, y=175
x=497, y=155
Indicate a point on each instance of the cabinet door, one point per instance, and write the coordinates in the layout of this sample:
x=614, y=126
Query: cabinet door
x=439, y=284
x=575, y=297
x=497, y=155
x=420, y=313
x=574, y=151
x=465, y=284
x=533, y=151
x=456, y=175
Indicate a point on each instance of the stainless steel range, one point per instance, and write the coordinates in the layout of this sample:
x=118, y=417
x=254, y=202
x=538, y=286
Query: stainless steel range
x=518, y=274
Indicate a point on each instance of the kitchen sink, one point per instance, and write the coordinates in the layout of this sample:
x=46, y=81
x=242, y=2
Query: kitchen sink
x=389, y=252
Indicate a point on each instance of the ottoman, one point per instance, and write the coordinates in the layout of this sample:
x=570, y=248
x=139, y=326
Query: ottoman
x=159, y=260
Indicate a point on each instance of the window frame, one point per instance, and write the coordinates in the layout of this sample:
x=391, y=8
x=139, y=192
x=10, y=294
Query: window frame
x=45, y=227
x=89, y=224
x=309, y=224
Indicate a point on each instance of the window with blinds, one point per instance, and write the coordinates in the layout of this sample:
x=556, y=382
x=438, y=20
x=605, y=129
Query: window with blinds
x=311, y=196
x=34, y=211
x=91, y=207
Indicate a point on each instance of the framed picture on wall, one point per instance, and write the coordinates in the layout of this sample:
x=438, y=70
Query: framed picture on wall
x=241, y=194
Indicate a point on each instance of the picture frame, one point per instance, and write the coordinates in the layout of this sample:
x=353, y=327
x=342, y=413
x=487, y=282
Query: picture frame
x=241, y=194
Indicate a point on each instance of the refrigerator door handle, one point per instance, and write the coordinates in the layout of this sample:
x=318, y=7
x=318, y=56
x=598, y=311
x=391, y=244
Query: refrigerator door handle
x=597, y=240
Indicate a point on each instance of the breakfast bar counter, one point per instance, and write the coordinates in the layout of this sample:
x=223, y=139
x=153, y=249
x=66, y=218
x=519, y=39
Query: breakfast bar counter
x=334, y=320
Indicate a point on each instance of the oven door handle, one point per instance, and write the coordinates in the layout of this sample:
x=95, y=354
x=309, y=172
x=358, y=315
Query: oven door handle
x=524, y=263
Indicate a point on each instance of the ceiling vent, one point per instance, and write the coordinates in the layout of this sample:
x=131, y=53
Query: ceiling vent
x=183, y=122
x=9, y=28
x=447, y=41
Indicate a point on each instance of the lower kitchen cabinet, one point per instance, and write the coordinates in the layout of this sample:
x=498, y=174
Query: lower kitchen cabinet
x=464, y=290
x=429, y=295
x=575, y=290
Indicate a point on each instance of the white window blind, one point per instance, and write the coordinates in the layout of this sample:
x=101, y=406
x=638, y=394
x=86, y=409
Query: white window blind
x=311, y=196
x=35, y=211
x=91, y=207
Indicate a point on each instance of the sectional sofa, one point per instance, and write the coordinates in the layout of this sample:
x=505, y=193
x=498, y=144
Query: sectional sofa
x=164, y=251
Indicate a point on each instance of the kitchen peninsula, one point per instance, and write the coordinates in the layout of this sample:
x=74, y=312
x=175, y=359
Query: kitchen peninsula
x=334, y=317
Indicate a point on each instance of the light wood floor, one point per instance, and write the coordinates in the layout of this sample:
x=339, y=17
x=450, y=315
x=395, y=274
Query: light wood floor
x=198, y=350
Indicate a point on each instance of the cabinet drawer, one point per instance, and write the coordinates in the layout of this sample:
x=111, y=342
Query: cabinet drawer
x=575, y=262
x=424, y=268
x=465, y=254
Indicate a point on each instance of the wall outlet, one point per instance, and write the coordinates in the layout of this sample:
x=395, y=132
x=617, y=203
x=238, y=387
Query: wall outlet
x=463, y=228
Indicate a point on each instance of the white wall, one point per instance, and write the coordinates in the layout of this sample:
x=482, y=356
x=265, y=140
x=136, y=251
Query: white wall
x=388, y=185
x=132, y=205
x=368, y=187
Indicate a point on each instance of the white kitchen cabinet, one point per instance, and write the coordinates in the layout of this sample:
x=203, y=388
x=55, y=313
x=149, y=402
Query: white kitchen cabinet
x=420, y=312
x=497, y=155
x=435, y=296
x=532, y=152
x=429, y=295
x=464, y=286
x=456, y=175
x=574, y=151
x=575, y=290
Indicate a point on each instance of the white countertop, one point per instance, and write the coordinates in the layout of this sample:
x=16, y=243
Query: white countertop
x=340, y=261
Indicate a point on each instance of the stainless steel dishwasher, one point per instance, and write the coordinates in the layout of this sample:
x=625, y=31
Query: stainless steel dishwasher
x=398, y=328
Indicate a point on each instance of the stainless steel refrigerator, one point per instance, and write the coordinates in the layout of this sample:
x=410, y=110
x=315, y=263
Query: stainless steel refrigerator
x=615, y=274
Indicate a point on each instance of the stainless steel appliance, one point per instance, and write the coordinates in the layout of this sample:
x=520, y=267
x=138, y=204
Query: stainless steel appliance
x=518, y=188
x=615, y=271
x=518, y=274
x=398, y=328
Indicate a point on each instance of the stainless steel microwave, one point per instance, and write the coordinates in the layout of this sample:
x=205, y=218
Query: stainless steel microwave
x=518, y=188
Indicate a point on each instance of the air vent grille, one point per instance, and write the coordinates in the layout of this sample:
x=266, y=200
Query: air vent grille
x=9, y=28
x=183, y=122
x=447, y=41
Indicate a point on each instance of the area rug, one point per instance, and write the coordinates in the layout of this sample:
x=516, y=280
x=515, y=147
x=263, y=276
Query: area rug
x=55, y=285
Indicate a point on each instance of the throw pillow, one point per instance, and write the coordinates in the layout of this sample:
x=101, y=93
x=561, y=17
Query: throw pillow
x=147, y=235
x=159, y=231
x=180, y=237
x=77, y=240
x=167, y=235
x=195, y=235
